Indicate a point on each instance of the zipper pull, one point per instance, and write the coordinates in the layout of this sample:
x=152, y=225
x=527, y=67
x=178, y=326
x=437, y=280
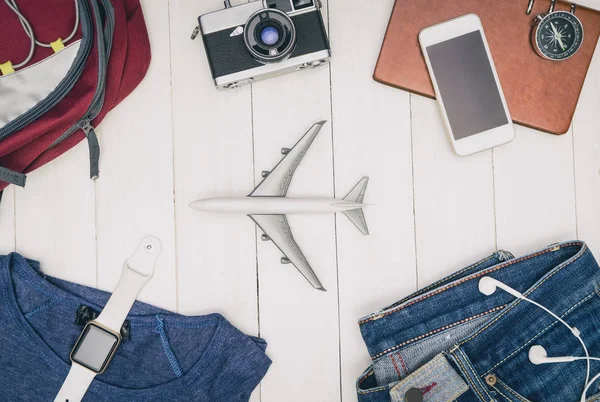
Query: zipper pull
x=94, y=147
x=12, y=177
x=196, y=32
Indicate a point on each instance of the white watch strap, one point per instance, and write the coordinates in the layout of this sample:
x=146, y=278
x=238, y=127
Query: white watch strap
x=126, y=292
x=137, y=271
x=75, y=386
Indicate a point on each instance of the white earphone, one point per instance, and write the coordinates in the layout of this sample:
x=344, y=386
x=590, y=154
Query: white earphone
x=537, y=353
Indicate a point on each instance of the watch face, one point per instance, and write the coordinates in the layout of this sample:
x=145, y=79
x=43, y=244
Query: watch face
x=95, y=348
x=559, y=35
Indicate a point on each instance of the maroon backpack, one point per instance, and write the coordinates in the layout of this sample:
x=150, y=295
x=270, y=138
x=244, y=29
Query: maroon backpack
x=56, y=99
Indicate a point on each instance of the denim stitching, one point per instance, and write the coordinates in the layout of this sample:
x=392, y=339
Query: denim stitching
x=435, y=331
x=475, y=375
x=371, y=391
x=501, y=393
x=160, y=329
x=454, y=275
x=458, y=393
x=513, y=392
x=504, y=255
x=478, y=275
x=369, y=374
x=378, y=316
x=521, y=348
x=530, y=291
x=541, y=332
x=427, y=369
x=467, y=374
x=404, y=366
x=588, y=297
x=395, y=366
x=41, y=309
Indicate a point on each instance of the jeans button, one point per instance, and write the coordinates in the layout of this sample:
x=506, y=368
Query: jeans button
x=491, y=379
x=413, y=395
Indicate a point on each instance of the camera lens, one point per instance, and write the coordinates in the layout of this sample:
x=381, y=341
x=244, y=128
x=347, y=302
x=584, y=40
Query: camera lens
x=270, y=36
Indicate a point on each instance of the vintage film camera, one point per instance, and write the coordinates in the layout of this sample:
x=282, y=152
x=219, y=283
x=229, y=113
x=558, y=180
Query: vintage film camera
x=263, y=39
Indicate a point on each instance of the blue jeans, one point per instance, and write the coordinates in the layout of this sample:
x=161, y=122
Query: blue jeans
x=450, y=342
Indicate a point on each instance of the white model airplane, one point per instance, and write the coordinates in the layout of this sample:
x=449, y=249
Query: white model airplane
x=267, y=205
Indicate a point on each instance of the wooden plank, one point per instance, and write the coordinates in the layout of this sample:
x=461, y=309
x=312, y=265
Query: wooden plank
x=371, y=127
x=135, y=188
x=213, y=157
x=535, y=201
x=7, y=221
x=454, y=198
x=290, y=309
x=55, y=218
x=586, y=139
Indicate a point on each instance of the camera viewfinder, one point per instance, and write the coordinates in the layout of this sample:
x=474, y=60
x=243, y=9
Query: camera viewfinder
x=300, y=4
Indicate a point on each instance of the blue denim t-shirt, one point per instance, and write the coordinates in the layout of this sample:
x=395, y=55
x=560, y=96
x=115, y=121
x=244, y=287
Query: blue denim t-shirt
x=167, y=357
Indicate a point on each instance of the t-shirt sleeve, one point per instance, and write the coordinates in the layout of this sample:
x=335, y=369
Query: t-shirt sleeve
x=239, y=370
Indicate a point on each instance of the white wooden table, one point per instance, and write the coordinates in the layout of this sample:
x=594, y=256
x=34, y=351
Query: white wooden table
x=177, y=139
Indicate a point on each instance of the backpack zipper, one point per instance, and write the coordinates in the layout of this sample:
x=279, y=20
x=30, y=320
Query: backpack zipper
x=94, y=148
x=64, y=87
x=104, y=48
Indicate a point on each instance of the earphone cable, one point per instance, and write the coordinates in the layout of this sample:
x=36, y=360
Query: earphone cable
x=577, y=335
x=29, y=31
x=587, y=387
x=488, y=286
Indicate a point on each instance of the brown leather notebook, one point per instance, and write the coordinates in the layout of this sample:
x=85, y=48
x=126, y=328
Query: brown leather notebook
x=540, y=93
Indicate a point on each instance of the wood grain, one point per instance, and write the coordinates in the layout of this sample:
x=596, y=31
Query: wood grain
x=586, y=150
x=135, y=192
x=7, y=221
x=177, y=139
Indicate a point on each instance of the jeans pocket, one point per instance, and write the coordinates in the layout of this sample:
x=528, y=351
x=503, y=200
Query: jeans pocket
x=436, y=381
x=504, y=391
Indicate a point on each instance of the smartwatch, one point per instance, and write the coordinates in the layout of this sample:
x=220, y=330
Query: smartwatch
x=101, y=337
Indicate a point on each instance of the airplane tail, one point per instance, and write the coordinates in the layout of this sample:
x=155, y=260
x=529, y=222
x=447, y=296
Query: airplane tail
x=357, y=216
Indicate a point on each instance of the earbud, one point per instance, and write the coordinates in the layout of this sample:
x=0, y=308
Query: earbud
x=538, y=355
x=488, y=286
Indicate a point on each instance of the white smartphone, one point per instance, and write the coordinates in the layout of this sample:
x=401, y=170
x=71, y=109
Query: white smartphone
x=466, y=84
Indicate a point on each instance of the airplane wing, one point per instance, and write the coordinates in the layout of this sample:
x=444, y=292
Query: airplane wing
x=276, y=227
x=278, y=181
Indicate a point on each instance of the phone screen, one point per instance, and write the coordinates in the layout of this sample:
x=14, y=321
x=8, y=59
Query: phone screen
x=467, y=85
